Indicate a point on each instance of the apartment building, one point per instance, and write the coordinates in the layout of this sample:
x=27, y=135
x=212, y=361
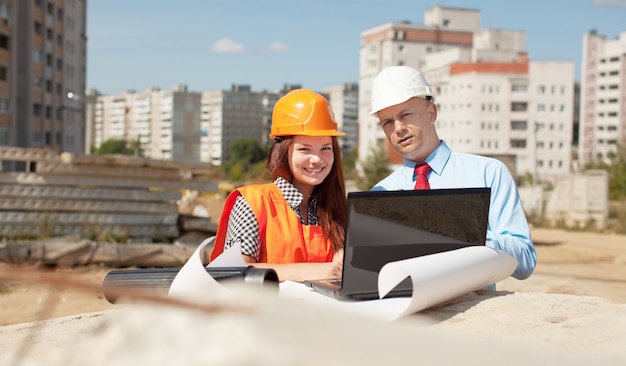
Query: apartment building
x=230, y=115
x=43, y=74
x=200, y=126
x=165, y=123
x=492, y=100
x=602, y=98
x=344, y=100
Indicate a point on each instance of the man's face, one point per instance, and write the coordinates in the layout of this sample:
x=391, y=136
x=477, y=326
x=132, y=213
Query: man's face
x=410, y=128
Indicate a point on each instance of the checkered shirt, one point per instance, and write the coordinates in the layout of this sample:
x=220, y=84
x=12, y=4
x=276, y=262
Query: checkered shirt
x=243, y=226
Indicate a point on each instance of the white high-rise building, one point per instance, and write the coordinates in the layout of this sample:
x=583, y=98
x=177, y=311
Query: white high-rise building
x=166, y=123
x=602, y=98
x=43, y=63
x=343, y=100
x=492, y=100
x=227, y=116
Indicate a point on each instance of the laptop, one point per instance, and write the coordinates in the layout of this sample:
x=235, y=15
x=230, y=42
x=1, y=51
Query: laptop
x=387, y=226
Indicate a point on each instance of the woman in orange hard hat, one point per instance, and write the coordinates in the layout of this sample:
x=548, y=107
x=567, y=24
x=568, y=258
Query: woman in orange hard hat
x=295, y=224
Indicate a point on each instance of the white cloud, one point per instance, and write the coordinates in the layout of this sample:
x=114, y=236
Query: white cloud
x=277, y=47
x=226, y=45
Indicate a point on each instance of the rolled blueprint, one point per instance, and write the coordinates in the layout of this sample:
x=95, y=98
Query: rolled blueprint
x=440, y=277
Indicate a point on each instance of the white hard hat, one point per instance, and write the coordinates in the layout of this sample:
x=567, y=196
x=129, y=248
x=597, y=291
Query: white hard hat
x=397, y=84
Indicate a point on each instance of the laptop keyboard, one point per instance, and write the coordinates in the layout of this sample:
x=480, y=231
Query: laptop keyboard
x=336, y=282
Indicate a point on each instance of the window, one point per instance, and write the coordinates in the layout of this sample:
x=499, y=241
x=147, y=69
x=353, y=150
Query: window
x=4, y=136
x=3, y=73
x=5, y=105
x=4, y=11
x=519, y=106
x=519, y=88
x=37, y=56
x=37, y=110
x=519, y=125
x=38, y=28
x=4, y=41
x=518, y=143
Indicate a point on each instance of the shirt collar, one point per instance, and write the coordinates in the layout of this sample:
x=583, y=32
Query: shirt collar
x=294, y=198
x=437, y=160
x=290, y=192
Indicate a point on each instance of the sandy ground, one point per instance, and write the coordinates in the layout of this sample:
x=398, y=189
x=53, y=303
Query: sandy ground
x=578, y=263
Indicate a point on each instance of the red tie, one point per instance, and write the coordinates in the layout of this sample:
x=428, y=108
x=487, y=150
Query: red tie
x=421, y=172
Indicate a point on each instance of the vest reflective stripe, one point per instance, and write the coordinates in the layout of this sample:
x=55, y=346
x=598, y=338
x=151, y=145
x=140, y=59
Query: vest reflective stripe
x=283, y=239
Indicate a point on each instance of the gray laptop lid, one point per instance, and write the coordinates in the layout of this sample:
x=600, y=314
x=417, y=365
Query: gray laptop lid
x=385, y=226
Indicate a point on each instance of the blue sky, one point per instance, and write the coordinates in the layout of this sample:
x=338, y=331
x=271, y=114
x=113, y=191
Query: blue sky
x=211, y=44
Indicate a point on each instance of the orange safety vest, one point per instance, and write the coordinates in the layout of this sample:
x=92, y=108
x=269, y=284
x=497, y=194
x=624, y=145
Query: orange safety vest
x=283, y=239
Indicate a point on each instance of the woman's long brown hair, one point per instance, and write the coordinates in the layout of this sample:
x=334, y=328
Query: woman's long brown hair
x=330, y=194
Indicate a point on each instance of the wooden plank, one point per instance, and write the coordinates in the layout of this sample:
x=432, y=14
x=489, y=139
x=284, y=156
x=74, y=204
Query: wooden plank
x=116, y=171
x=74, y=205
x=32, y=178
x=10, y=153
x=69, y=251
x=86, y=218
x=128, y=160
x=88, y=193
x=28, y=230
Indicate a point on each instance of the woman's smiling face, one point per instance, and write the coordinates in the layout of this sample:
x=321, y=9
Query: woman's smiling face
x=311, y=158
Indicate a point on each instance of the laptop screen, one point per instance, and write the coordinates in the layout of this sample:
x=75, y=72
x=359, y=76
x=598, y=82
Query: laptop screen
x=386, y=226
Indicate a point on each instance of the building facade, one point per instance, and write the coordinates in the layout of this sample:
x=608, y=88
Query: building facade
x=602, y=98
x=344, y=101
x=43, y=51
x=166, y=124
x=491, y=99
x=230, y=115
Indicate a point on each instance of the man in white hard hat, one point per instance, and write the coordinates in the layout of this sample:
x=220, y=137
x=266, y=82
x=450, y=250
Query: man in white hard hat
x=403, y=101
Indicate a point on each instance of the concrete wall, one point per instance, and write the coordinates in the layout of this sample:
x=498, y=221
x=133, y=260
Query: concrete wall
x=575, y=201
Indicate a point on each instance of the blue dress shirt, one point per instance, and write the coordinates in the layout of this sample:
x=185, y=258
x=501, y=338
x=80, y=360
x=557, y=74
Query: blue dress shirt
x=507, y=229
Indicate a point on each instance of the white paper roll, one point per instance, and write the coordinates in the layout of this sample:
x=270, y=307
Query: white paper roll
x=440, y=277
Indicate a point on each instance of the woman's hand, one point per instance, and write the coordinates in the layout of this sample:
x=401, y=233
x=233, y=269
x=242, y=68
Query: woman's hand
x=305, y=271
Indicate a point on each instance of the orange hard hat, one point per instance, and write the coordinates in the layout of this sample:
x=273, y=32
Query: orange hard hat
x=303, y=112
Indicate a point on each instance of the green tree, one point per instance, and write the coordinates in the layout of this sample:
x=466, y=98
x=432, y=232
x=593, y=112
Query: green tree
x=375, y=167
x=348, y=161
x=245, y=156
x=617, y=174
x=117, y=146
